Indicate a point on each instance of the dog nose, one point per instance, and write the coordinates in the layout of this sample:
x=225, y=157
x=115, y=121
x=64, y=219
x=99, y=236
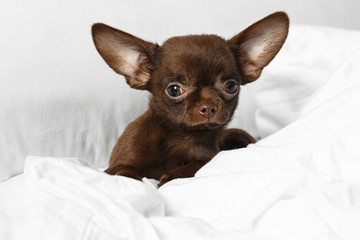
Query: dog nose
x=208, y=110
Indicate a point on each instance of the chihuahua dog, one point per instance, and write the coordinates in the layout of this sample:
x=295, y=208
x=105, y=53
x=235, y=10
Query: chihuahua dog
x=194, y=83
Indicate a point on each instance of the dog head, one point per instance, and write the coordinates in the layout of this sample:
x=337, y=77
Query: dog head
x=194, y=80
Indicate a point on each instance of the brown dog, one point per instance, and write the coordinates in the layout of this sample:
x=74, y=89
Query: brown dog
x=194, y=83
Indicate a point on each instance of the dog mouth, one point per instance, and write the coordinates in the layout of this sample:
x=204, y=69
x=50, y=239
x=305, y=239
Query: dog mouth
x=197, y=122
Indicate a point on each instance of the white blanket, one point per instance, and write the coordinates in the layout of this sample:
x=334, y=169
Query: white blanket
x=302, y=182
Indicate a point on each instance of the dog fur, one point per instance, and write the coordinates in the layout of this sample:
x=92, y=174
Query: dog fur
x=194, y=83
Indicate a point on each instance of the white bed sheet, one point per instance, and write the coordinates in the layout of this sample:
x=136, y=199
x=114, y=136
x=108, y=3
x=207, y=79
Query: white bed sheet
x=302, y=182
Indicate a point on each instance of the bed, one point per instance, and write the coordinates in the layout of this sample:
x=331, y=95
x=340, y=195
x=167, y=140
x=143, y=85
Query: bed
x=301, y=180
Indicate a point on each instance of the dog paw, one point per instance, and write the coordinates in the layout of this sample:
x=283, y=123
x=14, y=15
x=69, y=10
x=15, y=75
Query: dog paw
x=235, y=138
x=122, y=170
x=166, y=178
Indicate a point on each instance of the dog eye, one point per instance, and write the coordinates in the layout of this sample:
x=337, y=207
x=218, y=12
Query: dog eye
x=231, y=87
x=175, y=90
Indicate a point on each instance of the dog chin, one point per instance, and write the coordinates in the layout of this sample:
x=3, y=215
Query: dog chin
x=203, y=126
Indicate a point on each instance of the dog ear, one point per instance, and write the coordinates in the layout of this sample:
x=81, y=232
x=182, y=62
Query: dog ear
x=127, y=55
x=258, y=44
